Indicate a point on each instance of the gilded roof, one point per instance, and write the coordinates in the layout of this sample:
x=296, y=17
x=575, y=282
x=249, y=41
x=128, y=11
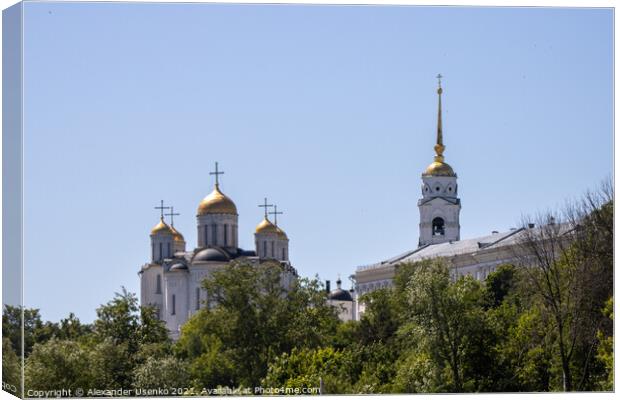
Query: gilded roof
x=266, y=226
x=439, y=168
x=217, y=203
x=162, y=228
x=178, y=237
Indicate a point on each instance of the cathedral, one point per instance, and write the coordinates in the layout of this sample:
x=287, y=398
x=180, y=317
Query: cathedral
x=172, y=280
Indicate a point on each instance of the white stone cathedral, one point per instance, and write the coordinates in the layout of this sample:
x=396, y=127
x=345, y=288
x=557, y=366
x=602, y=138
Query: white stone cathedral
x=172, y=280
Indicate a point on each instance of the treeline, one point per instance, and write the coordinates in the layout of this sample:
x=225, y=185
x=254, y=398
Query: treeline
x=542, y=323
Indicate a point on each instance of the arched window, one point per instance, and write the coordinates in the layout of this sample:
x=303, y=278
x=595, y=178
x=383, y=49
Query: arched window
x=168, y=253
x=206, y=235
x=273, y=251
x=283, y=255
x=438, y=227
x=265, y=249
x=174, y=305
x=158, y=285
x=225, y=234
x=214, y=237
x=161, y=250
x=197, y=298
x=153, y=251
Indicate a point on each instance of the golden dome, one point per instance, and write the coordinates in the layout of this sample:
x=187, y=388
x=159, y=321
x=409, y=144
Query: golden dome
x=266, y=226
x=281, y=233
x=217, y=203
x=177, y=235
x=163, y=228
x=438, y=168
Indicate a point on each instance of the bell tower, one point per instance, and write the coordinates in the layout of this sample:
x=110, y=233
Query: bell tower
x=439, y=206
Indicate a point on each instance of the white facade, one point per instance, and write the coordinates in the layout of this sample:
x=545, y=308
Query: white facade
x=439, y=210
x=172, y=280
x=271, y=245
x=218, y=230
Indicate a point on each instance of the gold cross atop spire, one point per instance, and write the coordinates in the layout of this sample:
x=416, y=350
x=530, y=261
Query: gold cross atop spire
x=439, y=147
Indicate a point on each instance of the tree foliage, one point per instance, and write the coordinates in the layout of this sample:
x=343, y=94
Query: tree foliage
x=252, y=318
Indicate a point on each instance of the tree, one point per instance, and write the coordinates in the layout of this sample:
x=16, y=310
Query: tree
x=71, y=328
x=56, y=365
x=605, y=353
x=500, y=283
x=161, y=373
x=252, y=317
x=11, y=369
x=376, y=348
x=568, y=261
x=34, y=330
x=306, y=368
x=448, y=322
x=124, y=335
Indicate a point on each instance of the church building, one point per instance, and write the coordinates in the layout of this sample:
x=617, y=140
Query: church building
x=440, y=231
x=172, y=280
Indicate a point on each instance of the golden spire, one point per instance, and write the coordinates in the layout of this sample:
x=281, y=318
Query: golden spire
x=439, y=147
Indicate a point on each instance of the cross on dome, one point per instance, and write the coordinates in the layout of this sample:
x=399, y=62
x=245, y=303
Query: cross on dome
x=217, y=173
x=275, y=214
x=162, y=208
x=171, y=214
x=265, y=205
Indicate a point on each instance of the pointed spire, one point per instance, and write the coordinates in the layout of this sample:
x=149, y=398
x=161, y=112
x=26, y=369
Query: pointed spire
x=439, y=147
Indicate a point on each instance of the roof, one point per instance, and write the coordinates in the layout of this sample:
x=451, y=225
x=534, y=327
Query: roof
x=340, y=295
x=448, y=249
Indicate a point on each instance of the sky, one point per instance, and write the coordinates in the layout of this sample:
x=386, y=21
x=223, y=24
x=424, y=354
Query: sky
x=328, y=111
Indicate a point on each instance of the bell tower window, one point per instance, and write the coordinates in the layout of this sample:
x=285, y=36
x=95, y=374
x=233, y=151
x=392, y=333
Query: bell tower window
x=438, y=227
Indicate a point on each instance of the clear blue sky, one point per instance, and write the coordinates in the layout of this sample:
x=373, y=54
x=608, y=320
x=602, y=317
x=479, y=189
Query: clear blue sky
x=329, y=111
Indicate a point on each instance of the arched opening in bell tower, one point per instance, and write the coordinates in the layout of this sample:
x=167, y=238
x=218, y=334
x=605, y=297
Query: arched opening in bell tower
x=438, y=226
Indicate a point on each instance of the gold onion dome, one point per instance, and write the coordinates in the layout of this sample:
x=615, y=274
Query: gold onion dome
x=266, y=226
x=217, y=203
x=178, y=237
x=162, y=228
x=281, y=233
